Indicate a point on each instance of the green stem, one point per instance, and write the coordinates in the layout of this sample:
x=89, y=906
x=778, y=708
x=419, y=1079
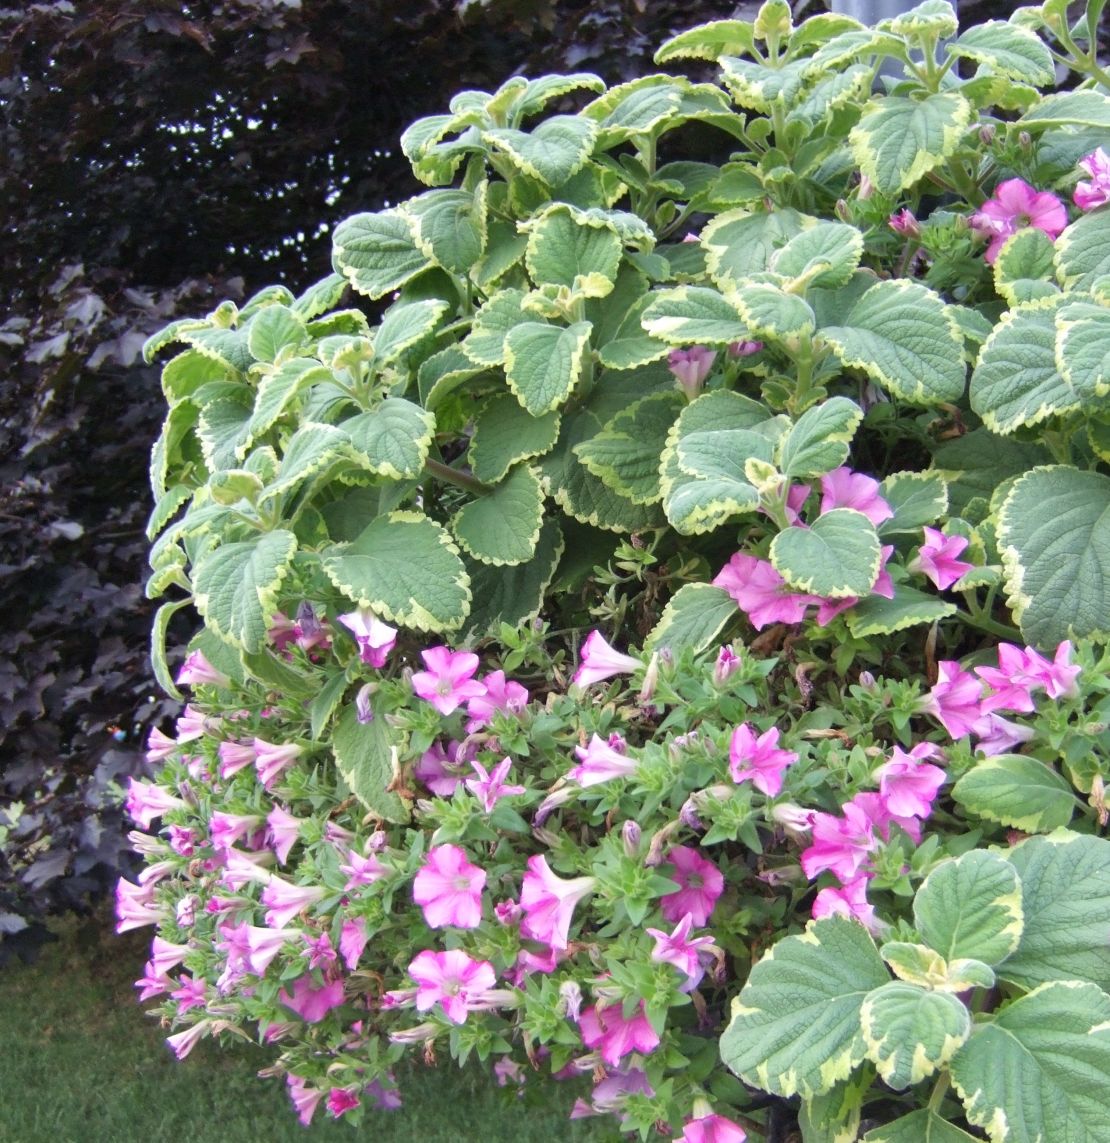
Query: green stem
x=453, y=476
x=978, y=617
x=940, y=1090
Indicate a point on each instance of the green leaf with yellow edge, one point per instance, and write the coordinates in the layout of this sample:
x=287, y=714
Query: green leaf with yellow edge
x=505, y=433
x=639, y=107
x=922, y=1126
x=761, y=87
x=367, y=759
x=1065, y=885
x=1068, y=109
x=502, y=526
x=911, y=1032
x=552, y=152
x=277, y=390
x=694, y=314
x=1018, y=791
x=377, y=253
x=1038, y=1069
x=235, y=586
x=406, y=568
x=877, y=615
x=1026, y=257
x=629, y=347
x=544, y=363
x=1083, y=350
x=693, y=617
x=826, y=255
x=158, y=631
x=1054, y=537
x=567, y=249
x=485, y=344
x=915, y=963
x=227, y=347
x=916, y=498
x=515, y=594
x=184, y=374
x=900, y=140
x=625, y=454
x=795, y=1027
x=1082, y=252
x=934, y=18
x=273, y=330
x=742, y=243
x=902, y=336
x=1007, y=50
x=392, y=440
x=403, y=326
x=834, y=1116
x=818, y=441
x=442, y=373
x=540, y=92
x=449, y=227
x=830, y=94
x=320, y=297
x=310, y=450
x=224, y=430
x=971, y=907
x=836, y=557
x=771, y=313
x=708, y=42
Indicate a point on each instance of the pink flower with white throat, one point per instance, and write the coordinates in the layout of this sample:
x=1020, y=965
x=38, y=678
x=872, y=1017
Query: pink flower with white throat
x=448, y=682
x=452, y=980
x=197, y=670
x=489, y=788
x=146, y=801
x=691, y=367
x=615, y=1035
x=908, y=783
x=1096, y=192
x=759, y=759
x=700, y=883
x=272, y=759
x=600, y=762
x=548, y=903
x=599, y=661
x=285, y=900
x=449, y=889
x=1015, y=206
x=936, y=558
x=375, y=639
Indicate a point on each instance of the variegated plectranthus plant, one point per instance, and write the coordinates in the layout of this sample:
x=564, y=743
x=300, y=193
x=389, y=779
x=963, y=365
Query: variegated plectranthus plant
x=792, y=374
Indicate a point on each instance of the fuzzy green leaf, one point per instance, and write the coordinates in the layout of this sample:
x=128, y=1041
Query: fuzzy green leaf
x=564, y=250
x=514, y=595
x=224, y=430
x=693, y=618
x=922, y=1126
x=818, y=442
x=364, y=754
x=1007, y=50
x=503, y=525
x=795, y=1027
x=837, y=557
x=308, y=452
x=1083, y=351
x=543, y=363
x=916, y=498
x=1069, y=109
x=273, y=330
x=708, y=42
x=393, y=439
x=442, y=373
x=877, y=615
x=408, y=569
x=377, y=253
x=1017, y=791
x=277, y=390
x=403, y=326
x=448, y=227
x=741, y=243
x=554, y=151
x=236, y=585
x=771, y=313
x=694, y=314
x=910, y=1032
x=485, y=344
x=826, y=254
x=505, y=433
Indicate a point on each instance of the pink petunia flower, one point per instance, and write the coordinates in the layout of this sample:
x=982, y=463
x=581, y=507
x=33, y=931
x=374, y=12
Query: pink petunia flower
x=600, y=762
x=700, y=883
x=903, y=222
x=197, y=670
x=227, y=830
x=489, y=788
x=759, y=759
x=1011, y=682
x=711, y=1129
x=955, y=700
x=375, y=639
x=151, y=983
x=282, y=832
x=341, y=1100
x=1058, y=677
x=760, y=592
x=500, y=694
x=909, y=784
x=682, y=951
x=1089, y=195
x=135, y=906
x=610, y=1095
x=310, y=1001
x=548, y=903
x=263, y=944
x=691, y=367
x=234, y=756
x=451, y=979
x=305, y=1099
x=1016, y=205
x=165, y=955
x=599, y=661
x=442, y=770
x=146, y=801
x=321, y=952
x=449, y=889
x=936, y=558
x=843, y=488
x=285, y=900
x=183, y=1043
x=362, y=870
x=840, y=844
x=848, y=901
x=448, y=681
x=159, y=746
x=728, y=662
x=353, y=938
x=614, y=1035
x=998, y=735
x=271, y=759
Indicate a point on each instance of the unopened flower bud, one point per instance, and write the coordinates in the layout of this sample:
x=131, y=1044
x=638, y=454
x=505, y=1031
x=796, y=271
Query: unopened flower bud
x=727, y=662
x=842, y=210
x=1025, y=140
x=630, y=834
x=570, y=999
x=867, y=681
x=866, y=187
x=651, y=678
x=986, y=134
x=688, y=815
x=794, y=819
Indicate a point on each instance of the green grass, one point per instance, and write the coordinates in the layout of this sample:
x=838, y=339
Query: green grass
x=80, y=1062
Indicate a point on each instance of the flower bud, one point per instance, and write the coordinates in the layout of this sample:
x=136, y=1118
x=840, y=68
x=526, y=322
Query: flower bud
x=986, y=134
x=727, y=662
x=651, y=679
x=631, y=834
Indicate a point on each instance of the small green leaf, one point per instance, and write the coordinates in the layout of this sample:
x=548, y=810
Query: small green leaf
x=901, y=140
x=442, y=373
x=408, y=569
x=514, y=595
x=502, y=526
x=1017, y=791
x=922, y=1126
x=1007, y=50
x=319, y=298
x=564, y=249
x=741, y=243
x=1038, y=1069
x=910, y=1032
x=184, y=374
x=971, y=907
x=324, y=704
x=693, y=618
x=377, y=253
x=902, y=336
x=1069, y=109
x=277, y=390
x=485, y=344
x=540, y=92
x=236, y=585
x=543, y=363
x=393, y=439
x=1065, y=884
x=818, y=442
x=1054, y=536
x=826, y=254
x=274, y=329
x=795, y=1026
x=228, y=347
x=771, y=313
x=505, y=433
x=916, y=498
x=554, y=151
x=837, y=557
x=224, y=430
x=403, y=326
x=709, y=42
x=366, y=758
x=310, y=450
x=448, y=227
x=1025, y=256
x=694, y=314
x=877, y=615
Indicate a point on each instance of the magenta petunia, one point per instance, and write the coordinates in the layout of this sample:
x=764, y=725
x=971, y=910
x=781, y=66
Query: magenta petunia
x=374, y=638
x=691, y=367
x=848, y=901
x=1015, y=206
x=452, y=980
x=310, y=1001
x=548, y=902
x=600, y=762
x=285, y=900
x=700, y=883
x=449, y=889
x=197, y=670
x=760, y=592
x=441, y=770
x=759, y=759
x=599, y=661
x=500, y=694
x=711, y=1129
x=1096, y=192
x=678, y=948
x=908, y=784
x=955, y=700
x=448, y=681
x=840, y=844
x=613, y=1034
x=146, y=801
x=489, y=788
x=843, y=488
x=936, y=558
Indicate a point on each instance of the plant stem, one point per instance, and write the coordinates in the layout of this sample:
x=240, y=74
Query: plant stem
x=940, y=1090
x=453, y=476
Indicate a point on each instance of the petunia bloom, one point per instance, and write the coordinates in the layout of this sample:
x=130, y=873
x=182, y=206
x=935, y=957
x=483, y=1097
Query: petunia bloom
x=840, y=844
x=1017, y=205
x=449, y=889
x=353, y=938
x=691, y=367
x=271, y=759
x=700, y=883
x=909, y=784
x=489, y=788
x=341, y=1100
x=760, y=592
x=936, y=558
x=310, y=1001
x=548, y=902
x=197, y=670
x=711, y=1128
x=146, y=801
x=600, y=762
x=375, y=639
x=954, y=700
x=500, y=694
x=1089, y=195
x=451, y=979
x=282, y=832
x=448, y=681
x=234, y=756
x=679, y=949
x=759, y=759
x=285, y=900
x=616, y=1035
x=599, y=661
x=441, y=770
x=843, y=488
x=305, y=1099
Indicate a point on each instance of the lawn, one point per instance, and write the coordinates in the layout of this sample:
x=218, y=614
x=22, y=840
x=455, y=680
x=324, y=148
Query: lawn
x=80, y=1062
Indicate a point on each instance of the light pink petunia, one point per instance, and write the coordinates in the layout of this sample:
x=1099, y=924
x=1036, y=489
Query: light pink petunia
x=700, y=883
x=442, y=770
x=599, y=661
x=548, y=903
x=614, y=1035
x=679, y=949
x=285, y=900
x=843, y=488
x=936, y=558
x=146, y=801
x=449, y=889
x=197, y=670
x=451, y=979
x=448, y=682
x=1014, y=206
x=159, y=746
x=955, y=700
x=600, y=762
x=998, y=735
x=375, y=639
x=760, y=592
x=234, y=756
x=711, y=1128
x=353, y=938
x=908, y=783
x=500, y=694
x=282, y=832
x=840, y=844
x=1095, y=193
x=135, y=906
x=165, y=955
x=183, y=1043
x=1058, y=677
x=691, y=367
x=310, y=1001
x=305, y=1099
x=227, y=830
x=489, y=788
x=272, y=759
x=610, y=1095
x=1011, y=682
x=848, y=901
x=362, y=870
x=263, y=944
x=759, y=759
